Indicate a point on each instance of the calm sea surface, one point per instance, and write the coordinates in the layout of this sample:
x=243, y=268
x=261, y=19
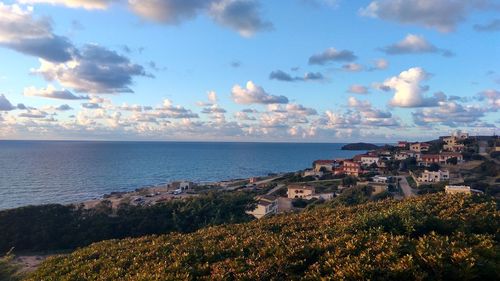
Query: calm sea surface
x=40, y=172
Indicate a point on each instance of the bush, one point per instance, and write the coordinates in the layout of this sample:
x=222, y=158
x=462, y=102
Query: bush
x=300, y=203
x=9, y=271
x=56, y=227
x=432, y=237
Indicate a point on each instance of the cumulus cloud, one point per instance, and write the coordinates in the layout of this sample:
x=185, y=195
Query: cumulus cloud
x=244, y=116
x=167, y=11
x=450, y=114
x=96, y=70
x=352, y=67
x=408, y=89
x=86, y=4
x=169, y=110
x=53, y=93
x=20, y=31
x=414, y=44
x=489, y=27
x=357, y=89
x=332, y=55
x=443, y=15
x=280, y=75
x=254, y=94
x=379, y=64
x=240, y=15
x=492, y=96
x=5, y=104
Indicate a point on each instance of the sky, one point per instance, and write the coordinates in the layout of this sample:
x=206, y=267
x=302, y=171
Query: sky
x=248, y=70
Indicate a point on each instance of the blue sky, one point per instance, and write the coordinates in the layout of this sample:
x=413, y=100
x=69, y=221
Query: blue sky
x=276, y=70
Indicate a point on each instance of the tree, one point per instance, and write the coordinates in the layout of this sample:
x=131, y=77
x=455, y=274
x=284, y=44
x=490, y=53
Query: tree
x=434, y=167
x=452, y=161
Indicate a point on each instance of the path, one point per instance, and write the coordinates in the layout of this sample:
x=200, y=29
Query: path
x=405, y=186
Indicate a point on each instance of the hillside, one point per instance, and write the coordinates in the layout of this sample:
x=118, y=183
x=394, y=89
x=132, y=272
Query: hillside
x=427, y=238
x=360, y=146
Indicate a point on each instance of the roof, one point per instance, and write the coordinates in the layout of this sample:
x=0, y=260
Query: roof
x=266, y=198
x=451, y=154
x=429, y=156
x=297, y=186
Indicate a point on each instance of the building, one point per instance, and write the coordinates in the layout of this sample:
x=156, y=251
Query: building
x=451, y=143
x=312, y=173
x=402, y=144
x=405, y=154
x=445, y=156
x=300, y=191
x=266, y=205
x=428, y=159
x=420, y=147
x=367, y=160
x=454, y=189
x=431, y=177
x=352, y=168
x=326, y=165
x=381, y=179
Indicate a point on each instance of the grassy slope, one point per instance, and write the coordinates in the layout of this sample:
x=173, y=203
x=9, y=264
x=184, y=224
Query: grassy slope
x=427, y=238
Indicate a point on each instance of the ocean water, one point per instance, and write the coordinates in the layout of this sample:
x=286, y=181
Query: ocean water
x=41, y=172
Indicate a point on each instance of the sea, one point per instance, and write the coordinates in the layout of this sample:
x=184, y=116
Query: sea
x=46, y=172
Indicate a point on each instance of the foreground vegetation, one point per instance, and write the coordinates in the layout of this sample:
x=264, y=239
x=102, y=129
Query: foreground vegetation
x=433, y=237
x=58, y=227
x=8, y=270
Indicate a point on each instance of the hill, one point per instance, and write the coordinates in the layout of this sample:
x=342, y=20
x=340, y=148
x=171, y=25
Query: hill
x=433, y=237
x=360, y=146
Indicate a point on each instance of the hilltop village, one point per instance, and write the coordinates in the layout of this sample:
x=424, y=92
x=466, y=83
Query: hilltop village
x=458, y=163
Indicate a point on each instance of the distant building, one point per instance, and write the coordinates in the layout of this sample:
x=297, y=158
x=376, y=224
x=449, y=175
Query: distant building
x=405, y=154
x=380, y=179
x=312, y=173
x=368, y=160
x=300, y=191
x=352, y=168
x=420, y=147
x=454, y=189
x=266, y=205
x=402, y=144
x=327, y=165
x=428, y=159
x=445, y=156
x=431, y=177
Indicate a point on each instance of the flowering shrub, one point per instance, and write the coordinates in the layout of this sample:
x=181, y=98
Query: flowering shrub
x=433, y=237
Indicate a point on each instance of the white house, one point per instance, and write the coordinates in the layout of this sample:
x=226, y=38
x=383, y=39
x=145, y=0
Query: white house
x=432, y=177
x=454, y=189
x=367, y=160
x=266, y=205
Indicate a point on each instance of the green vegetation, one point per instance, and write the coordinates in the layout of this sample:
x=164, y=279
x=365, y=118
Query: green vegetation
x=57, y=227
x=9, y=271
x=433, y=237
x=360, y=146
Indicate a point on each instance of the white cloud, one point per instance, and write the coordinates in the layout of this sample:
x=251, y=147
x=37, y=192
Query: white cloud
x=20, y=31
x=86, y=4
x=332, y=55
x=414, y=44
x=381, y=64
x=443, y=15
x=240, y=15
x=53, y=93
x=408, y=89
x=95, y=70
x=254, y=94
x=358, y=89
